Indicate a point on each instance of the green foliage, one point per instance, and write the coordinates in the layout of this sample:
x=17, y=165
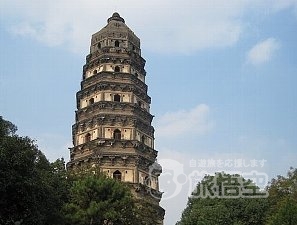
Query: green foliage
x=29, y=187
x=210, y=204
x=283, y=199
x=286, y=213
x=34, y=191
x=6, y=128
x=96, y=199
x=147, y=213
x=280, y=208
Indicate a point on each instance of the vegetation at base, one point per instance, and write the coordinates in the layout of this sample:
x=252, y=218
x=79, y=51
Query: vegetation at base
x=34, y=191
x=211, y=203
x=96, y=199
x=283, y=200
x=278, y=208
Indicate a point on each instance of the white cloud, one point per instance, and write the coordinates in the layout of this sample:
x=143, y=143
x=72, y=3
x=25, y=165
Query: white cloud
x=24, y=29
x=263, y=51
x=279, y=5
x=171, y=26
x=194, y=121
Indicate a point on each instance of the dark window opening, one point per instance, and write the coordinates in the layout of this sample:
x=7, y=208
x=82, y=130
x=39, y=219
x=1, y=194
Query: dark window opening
x=117, y=175
x=95, y=72
x=147, y=181
x=136, y=74
x=117, y=134
x=99, y=45
x=117, y=44
x=143, y=139
x=117, y=98
x=139, y=103
x=91, y=101
x=117, y=69
x=88, y=137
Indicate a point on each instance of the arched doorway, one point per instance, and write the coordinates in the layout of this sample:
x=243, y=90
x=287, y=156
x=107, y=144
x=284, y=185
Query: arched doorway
x=117, y=98
x=117, y=175
x=88, y=137
x=117, y=134
x=91, y=101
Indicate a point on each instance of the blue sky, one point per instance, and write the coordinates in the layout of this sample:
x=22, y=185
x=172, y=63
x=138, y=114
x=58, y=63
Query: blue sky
x=222, y=76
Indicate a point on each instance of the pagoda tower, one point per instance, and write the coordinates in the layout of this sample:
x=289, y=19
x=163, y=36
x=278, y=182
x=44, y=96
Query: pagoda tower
x=112, y=129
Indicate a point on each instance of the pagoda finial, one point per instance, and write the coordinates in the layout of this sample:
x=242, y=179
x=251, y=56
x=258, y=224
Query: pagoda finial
x=116, y=16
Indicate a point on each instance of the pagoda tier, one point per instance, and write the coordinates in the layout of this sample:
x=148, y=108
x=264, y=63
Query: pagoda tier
x=112, y=129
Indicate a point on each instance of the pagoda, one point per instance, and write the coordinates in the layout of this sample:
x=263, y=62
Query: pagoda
x=113, y=125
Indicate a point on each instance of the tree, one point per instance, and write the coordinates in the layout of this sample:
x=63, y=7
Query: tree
x=283, y=199
x=29, y=185
x=6, y=128
x=96, y=199
x=225, y=199
x=147, y=213
x=286, y=213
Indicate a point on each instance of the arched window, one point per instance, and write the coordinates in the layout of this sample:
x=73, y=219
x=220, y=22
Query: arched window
x=139, y=103
x=117, y=175
x=136, y=75
x=117, y=98
x=88, y=137
x=117, y=44
x=99, y=45
x=91, y=101
x=117, y=69
x=117, y=134
x=147, y=181
x=143, y=139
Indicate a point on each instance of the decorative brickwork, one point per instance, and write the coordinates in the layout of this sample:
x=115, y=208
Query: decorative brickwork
x=112, y=127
